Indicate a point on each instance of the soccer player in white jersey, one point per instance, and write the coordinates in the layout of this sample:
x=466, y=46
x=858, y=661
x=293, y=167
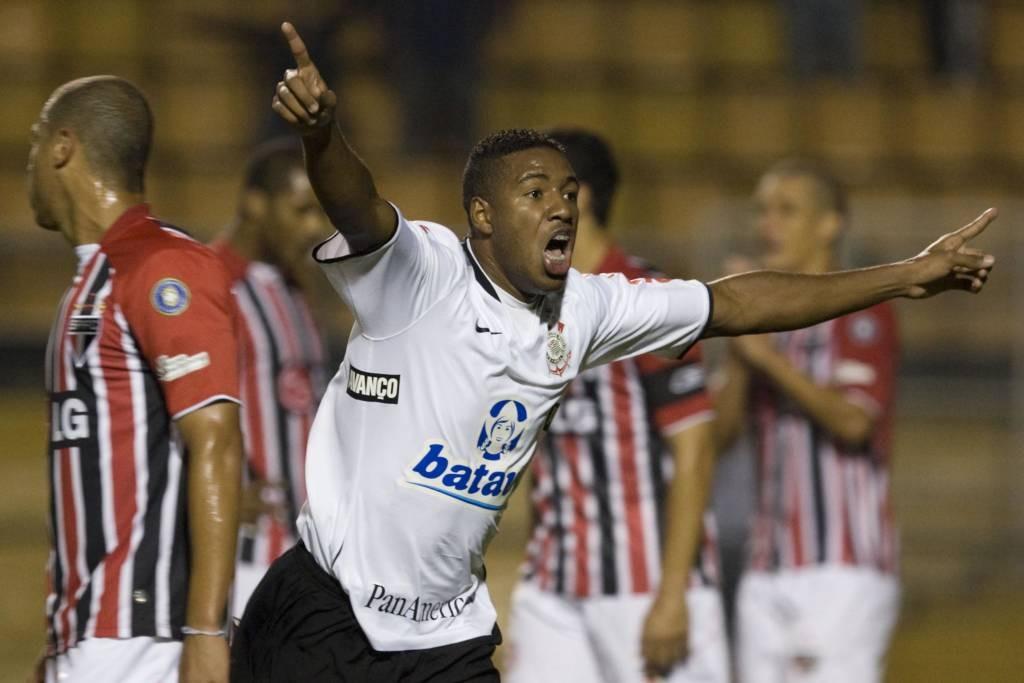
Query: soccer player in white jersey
x=459, y=356
x=620, y=577
x=819, y=598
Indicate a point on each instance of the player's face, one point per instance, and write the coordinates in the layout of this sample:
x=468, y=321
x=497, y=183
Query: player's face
x=789, y=222
x=534, y=218
x=295, y=223
x=42, y=182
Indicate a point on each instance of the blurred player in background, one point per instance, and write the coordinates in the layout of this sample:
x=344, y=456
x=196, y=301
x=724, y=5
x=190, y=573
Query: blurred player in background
x=460, y=354
x=145, y=450
x=616, y=581
x=820, y=597
x=267, y=252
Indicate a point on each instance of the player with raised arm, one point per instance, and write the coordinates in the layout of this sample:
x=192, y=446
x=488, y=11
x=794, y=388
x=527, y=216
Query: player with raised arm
x=266, y=250
x=142, y=379
x=820, y=595
x=458, y=358
x=620, y=578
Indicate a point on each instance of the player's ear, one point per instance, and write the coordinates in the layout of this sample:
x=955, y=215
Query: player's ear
x=254, y=205
x=63, y=147
x=480, y=216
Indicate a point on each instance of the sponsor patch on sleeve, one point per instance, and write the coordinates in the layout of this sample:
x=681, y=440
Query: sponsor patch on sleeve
x=170, y=368
x=170, y=296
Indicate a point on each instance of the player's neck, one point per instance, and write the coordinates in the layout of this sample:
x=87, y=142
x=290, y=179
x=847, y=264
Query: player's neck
x=592, y=245
x=95, y=208
x=484, y=255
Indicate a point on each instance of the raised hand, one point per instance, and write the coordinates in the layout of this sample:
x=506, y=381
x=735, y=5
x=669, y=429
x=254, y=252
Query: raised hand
x=948, y=263
x=302, y=98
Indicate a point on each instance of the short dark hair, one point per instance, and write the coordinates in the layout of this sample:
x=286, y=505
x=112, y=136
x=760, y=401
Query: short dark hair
x=831, y=192
x=113, y=121
x=271, y=164
x=483, y=162
x=592, y=159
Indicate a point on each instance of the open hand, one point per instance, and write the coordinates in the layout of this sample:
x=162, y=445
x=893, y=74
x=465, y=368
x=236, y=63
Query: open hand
x=665, y=640
x=948, y=263
x=302, y=98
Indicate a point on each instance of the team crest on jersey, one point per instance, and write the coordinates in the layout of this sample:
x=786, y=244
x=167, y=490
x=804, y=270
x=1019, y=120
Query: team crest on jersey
x=170, y=296
x=483, y=476
x=558, y=351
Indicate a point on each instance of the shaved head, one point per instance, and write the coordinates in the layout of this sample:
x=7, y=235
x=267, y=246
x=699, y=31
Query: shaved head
x=112, y=120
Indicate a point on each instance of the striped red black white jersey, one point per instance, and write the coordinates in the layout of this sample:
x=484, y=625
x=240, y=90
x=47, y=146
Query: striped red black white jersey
x=144, y=336
x=601, y=473
x=821, y=501
x=282, y=378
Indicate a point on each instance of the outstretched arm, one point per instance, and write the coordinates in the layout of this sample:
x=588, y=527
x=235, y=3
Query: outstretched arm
x=339, y=177
x=768, y=301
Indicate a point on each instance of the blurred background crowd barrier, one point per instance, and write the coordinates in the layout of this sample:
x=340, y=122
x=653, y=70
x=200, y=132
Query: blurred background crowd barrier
x=917, y=105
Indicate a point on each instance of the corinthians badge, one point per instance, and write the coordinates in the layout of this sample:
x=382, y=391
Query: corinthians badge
x=559, y=354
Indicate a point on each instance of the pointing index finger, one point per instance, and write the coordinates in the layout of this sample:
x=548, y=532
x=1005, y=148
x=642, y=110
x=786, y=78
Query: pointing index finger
x=978, y=225
x=296, y=45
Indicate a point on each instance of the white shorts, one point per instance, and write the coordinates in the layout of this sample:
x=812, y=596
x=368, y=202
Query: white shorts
x=559, y=639
x=117, y=660
x=247, y=577
x=827, y=624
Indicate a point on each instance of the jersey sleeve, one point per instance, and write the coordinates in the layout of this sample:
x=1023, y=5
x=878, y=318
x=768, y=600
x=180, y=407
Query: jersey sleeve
x=389, y=288
x=643, y=315
x=866, y=349
x=676, y=391
x=180, y=308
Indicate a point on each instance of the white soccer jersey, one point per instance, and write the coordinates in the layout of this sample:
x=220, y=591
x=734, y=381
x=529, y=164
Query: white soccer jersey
x=436, y=410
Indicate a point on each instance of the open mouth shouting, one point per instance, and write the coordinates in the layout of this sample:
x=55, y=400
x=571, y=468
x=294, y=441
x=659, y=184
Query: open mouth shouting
x=558, y=253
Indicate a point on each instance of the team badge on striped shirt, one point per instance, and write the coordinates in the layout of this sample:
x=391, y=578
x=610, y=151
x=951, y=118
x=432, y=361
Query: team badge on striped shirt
x=170, y=296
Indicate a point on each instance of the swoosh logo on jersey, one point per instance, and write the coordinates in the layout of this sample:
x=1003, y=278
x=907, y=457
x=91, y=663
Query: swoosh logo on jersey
x=481, y=329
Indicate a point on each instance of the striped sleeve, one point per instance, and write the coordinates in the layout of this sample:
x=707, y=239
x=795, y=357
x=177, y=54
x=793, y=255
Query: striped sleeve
x=180, y=307
x=676, y=391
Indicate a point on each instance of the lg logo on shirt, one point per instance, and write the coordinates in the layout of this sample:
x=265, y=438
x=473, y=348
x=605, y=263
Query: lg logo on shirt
x=70, y=420
x=485, y=482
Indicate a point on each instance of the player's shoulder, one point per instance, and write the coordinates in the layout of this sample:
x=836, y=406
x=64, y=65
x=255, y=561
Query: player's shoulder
x=161, y=251
x=434, y=232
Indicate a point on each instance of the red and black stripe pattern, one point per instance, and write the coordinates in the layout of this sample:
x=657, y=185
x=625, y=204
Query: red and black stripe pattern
x=118, y=564
x=283, y=377
x=821, y=501
x=602, y=470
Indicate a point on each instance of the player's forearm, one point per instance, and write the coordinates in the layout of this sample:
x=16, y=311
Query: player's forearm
x=687, y=499
x=214, y=481
x=826, y=406
x=770, y=301
x=730, y=404
x=346, y=190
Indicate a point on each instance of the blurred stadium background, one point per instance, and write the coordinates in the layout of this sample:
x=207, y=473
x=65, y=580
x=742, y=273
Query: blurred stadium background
x=697, y=97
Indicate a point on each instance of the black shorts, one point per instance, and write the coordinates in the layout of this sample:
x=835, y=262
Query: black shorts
x=299, y=626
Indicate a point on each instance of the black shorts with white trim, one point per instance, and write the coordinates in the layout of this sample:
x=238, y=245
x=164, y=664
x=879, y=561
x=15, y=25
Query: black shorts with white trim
x=299, y=626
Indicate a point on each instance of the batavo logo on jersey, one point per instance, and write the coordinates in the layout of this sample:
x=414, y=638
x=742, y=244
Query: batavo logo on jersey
x=486, y=478
x=373, y=387
x=71, y=421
